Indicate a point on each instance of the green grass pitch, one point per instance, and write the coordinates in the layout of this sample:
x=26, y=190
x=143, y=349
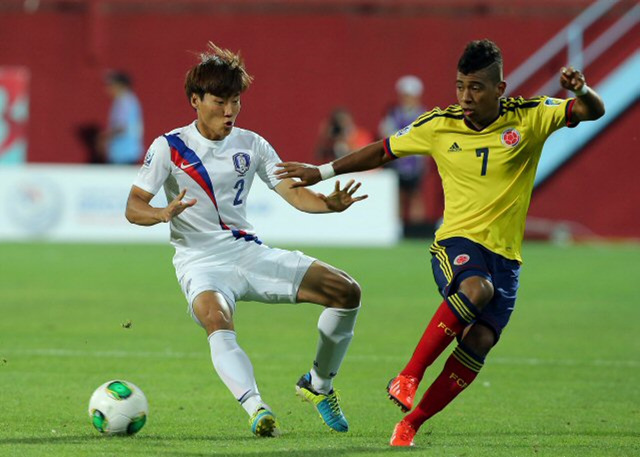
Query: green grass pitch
x=564, y=380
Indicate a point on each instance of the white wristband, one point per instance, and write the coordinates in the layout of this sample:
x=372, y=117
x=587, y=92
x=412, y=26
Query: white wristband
x=583, y=91
x=326, y=171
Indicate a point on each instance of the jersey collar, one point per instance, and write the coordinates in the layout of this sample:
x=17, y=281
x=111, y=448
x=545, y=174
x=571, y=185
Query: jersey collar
x=206, y=141
x=475, y=129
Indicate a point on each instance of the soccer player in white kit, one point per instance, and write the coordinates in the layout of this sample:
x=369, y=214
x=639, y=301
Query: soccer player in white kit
x=206, y=169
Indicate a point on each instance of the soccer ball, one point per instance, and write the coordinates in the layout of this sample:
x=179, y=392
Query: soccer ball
x=118, y=408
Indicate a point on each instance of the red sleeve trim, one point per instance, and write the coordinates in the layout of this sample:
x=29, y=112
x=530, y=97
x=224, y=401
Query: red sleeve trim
x=387, y=149
x=569, y=113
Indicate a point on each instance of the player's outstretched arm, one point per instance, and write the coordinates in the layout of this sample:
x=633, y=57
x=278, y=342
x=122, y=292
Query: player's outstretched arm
x=367, y=158
x=313, y=202
x=140, y=212
x=588, y=106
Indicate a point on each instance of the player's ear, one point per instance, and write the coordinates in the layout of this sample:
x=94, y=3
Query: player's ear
x=195, y=101
x=501, y=87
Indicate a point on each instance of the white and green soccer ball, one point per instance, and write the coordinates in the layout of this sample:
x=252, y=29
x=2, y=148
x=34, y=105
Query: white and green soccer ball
x=118, y=408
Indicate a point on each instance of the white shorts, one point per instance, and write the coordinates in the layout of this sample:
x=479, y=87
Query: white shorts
x=253, y=272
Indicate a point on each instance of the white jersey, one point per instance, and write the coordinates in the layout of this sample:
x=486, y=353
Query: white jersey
x=219, y=174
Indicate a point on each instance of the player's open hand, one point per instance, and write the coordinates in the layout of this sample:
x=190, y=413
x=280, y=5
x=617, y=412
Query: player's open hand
x=176, y=206
x=341, y=199
x=572, y=79
x=307, y=174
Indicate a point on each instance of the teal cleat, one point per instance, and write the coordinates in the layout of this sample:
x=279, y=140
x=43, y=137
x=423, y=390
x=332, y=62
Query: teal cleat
x=263, y=423
x=327, y=404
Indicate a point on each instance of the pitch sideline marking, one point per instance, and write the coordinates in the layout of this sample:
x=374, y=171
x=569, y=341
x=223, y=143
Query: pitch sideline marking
x=52, y=352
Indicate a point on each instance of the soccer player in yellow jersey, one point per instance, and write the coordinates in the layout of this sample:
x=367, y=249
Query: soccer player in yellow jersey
x=487, y=149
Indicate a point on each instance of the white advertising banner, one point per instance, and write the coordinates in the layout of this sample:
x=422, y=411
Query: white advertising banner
x=86, y=203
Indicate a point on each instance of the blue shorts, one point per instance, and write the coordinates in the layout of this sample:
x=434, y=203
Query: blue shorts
x=455, y=259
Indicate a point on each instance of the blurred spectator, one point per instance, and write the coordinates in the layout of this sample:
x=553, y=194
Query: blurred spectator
x=410, y=170
x=339, y=135
x=121, y=142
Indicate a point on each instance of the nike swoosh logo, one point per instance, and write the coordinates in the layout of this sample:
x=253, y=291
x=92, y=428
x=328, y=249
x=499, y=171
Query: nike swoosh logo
x=184, y=166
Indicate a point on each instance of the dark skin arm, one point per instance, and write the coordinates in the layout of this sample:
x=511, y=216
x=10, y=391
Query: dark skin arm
x=587, y=107
x=367, y=158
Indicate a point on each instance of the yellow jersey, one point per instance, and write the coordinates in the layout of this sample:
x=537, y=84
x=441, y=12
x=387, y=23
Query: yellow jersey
x=487, y=175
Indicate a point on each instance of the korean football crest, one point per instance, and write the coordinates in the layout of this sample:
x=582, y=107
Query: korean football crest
x=241, y=162
x=511, y=138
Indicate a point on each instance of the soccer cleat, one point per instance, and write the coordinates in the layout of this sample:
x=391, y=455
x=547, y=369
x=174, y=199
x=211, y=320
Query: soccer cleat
x=402, y=390
x=328, y=405
x=403, y=434
x=263, y=423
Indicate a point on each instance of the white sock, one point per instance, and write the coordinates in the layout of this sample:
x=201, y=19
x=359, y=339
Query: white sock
x=234, y=368
x=336, y=330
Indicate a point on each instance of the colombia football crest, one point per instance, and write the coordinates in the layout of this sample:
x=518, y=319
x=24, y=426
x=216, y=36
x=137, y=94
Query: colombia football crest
x=241, y=162
x=511, y=138
x=461, y=259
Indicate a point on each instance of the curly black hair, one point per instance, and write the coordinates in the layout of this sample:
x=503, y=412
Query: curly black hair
x=479, y=55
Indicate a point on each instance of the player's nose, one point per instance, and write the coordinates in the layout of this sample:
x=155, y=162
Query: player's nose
x=228, y=110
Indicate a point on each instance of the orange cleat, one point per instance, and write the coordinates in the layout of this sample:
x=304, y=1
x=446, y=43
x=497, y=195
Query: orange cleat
x=403, y=434
x=402, y=390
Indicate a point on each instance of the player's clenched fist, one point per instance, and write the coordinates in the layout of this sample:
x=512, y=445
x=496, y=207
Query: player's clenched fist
x=572, y=79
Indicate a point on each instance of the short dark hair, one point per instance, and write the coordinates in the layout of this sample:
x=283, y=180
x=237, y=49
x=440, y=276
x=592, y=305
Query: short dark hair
x=479, y=55
x=220, y=73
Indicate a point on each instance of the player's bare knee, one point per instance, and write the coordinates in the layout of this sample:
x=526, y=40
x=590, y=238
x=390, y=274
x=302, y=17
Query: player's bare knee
x=354, y=294
x=348, y=293
x=480, y=339
x=213, y=313
x=217, y=320
x=478, y=290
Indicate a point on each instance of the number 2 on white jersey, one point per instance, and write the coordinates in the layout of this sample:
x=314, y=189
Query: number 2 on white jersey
x=240, y=186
